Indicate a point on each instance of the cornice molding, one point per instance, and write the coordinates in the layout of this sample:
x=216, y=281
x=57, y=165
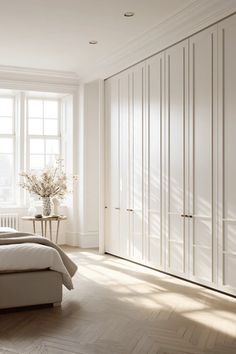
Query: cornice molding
x=195, y=17
x=15, y=74
x=33, y=85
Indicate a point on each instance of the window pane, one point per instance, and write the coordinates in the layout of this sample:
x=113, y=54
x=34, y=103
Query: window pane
x=50, y=109
x=43, y=121
x=50, y=160
x=36, y=162
x=5, y=125
x=6, y=177
x=50, y=127
x=36, y=146
x=35, y=108
x=6, y=106
x=6, y=145
x=35, y=126
x=52, y=146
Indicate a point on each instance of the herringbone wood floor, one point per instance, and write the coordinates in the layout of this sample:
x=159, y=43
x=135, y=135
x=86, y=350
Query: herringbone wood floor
x=120, y=307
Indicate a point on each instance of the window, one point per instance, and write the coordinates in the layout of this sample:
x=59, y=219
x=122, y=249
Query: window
x=43, y=126
x=7, y=148
x=30, y=137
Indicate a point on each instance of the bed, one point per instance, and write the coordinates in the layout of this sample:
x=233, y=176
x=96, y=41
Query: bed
x=33, y=270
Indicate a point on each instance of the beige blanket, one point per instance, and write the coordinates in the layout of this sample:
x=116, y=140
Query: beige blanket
x=16, y=238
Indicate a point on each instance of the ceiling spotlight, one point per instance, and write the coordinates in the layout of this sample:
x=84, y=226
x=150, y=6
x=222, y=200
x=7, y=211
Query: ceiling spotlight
x=93, y=42
x=129, y=14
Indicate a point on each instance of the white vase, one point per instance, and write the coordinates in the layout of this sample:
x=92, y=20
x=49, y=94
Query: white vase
x=56, y=206
x=46, y=206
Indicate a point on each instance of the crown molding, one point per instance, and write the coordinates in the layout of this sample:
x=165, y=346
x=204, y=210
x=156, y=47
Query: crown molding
x=195, y=17
x=15, y=74
x=13, y=84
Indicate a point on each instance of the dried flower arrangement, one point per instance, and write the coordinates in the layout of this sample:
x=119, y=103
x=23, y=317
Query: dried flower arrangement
x=50, y=183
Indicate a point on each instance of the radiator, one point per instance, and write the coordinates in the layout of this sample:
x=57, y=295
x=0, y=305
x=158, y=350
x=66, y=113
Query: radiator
x=9, y=220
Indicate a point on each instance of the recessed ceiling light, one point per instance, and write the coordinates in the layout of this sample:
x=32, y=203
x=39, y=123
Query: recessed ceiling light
x=129, y=14
x=93, y=42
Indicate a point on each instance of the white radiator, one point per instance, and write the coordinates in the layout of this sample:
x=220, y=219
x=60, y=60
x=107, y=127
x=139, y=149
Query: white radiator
x=9, y=220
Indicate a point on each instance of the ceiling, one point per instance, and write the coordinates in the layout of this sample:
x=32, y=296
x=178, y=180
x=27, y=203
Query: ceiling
x=54, y=34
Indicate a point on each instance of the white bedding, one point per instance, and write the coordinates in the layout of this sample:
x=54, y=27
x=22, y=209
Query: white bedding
x=32, y=256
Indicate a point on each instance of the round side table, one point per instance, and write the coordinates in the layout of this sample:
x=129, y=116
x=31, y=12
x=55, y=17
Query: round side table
x=44, y=221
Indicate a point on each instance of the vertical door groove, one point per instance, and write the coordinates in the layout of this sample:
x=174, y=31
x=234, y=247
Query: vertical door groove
x=184, y=157
x=193, y=156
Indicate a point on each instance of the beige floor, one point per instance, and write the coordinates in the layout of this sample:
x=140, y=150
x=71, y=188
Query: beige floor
x=120, y=307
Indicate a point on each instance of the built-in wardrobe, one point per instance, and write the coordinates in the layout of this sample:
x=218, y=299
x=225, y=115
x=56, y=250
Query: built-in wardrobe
x=170, y=159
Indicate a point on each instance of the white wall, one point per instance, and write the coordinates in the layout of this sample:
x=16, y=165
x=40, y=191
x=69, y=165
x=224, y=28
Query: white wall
x=88, y=148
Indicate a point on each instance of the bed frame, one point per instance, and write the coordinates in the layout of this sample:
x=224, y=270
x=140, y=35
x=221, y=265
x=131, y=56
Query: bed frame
x=30, y=288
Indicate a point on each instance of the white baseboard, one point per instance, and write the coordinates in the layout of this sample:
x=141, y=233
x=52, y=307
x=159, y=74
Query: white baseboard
x=83, y=240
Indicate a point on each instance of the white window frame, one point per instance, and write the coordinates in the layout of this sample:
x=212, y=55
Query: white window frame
x=21, y=153
x=13, y=136
x=42, y=136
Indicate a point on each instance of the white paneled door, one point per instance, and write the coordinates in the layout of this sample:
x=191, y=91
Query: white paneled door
x=176, y=172
x=112, y=167
x=227, y=148
x=154, y=162
x=202, y=156
x=136, y=210
x=124, y=113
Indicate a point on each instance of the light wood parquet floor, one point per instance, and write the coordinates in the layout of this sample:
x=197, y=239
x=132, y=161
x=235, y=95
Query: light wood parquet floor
x=118, y=307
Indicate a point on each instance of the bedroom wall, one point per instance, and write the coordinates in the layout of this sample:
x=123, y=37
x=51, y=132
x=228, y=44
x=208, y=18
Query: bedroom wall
x=88, y=148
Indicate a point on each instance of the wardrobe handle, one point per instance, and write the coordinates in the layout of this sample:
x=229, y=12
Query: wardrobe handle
x=105, y=207
x=183, y=216
x=190, y=216
x=117, y=208
x=129, y=209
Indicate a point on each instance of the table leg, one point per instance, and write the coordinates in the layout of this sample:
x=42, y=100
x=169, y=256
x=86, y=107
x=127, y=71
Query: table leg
x=58, y=225
x=34, y=227
x=42, y=226
x=50, y=229
x=45, y=228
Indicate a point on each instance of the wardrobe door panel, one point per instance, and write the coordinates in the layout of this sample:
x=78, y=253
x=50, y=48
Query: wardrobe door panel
x=113, y=165
x=176, y=83
x=137, y=125
x=155, y=85
x=203, y=90
x=124, y=162
x=227, y=156
x=107, y=183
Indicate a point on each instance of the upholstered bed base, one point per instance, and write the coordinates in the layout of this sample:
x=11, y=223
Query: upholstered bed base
x=30, y=288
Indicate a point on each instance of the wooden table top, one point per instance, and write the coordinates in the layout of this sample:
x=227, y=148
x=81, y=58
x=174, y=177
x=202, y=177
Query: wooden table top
x=45, y=218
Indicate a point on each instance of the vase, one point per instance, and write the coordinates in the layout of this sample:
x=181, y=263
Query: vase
x=56, y=206
x=46, y=206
